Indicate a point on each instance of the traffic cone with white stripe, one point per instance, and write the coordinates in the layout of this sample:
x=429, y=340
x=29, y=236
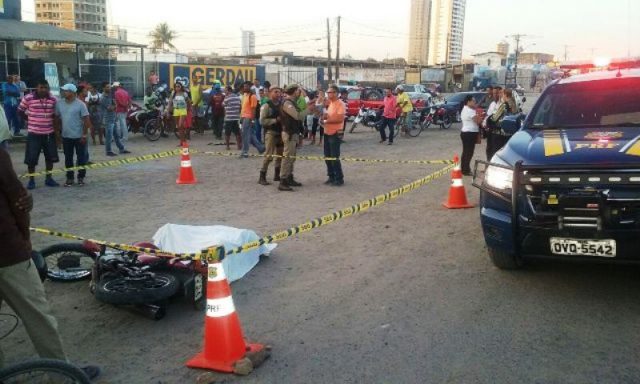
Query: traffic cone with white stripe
x=225, y=349
x=457, y=195
x=186, y=175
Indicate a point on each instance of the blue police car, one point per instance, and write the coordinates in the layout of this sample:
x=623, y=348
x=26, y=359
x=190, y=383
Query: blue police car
x=567, y=183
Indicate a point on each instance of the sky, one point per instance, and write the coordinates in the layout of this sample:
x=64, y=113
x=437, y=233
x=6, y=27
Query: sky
x=379, y=28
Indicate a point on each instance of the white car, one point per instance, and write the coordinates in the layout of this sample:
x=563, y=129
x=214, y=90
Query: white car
x=418, y=92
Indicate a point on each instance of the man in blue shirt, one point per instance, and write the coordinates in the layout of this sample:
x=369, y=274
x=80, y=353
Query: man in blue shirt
x=74, y=117
x=11, y=92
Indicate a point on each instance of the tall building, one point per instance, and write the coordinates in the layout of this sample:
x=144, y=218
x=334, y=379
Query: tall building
x=419, y=32
x=446, y=31
x=117, y=32
x=80, y=15
x=248, y=43
x=503, y=48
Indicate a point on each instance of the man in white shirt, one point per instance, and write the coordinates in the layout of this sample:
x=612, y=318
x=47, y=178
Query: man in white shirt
x=497, y=94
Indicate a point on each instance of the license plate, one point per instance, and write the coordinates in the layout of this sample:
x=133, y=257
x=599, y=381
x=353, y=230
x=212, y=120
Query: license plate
x=580, y=247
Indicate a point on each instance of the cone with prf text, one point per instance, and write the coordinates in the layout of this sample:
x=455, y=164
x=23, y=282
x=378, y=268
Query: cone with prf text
x=186, y=175
x=225, y=349
x=457, y=195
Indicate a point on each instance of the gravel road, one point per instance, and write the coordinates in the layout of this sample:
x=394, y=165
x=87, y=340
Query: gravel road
x=403, y=293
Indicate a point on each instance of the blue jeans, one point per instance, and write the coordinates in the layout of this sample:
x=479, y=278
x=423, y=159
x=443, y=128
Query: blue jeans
x=258, y=130
x=121, y=123
x=332, y=149
x=11, y=112
x=387, y=122
x=249, y=137
x=109, y=137
x=71, y=146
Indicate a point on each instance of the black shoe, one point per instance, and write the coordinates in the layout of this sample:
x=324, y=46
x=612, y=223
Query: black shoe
x=124, y=152
x=329, y=182
x=111, y=154
x=284, y=186
x=292, y=183
x=390, y=143
x=468, y=173
x=91, y=371
x=338, y=183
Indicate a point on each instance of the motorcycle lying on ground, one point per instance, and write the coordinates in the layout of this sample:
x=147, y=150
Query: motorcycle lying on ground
x=143, y=281
x=369, y=117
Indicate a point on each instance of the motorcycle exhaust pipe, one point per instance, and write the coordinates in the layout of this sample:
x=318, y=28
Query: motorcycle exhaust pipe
x=152, y=311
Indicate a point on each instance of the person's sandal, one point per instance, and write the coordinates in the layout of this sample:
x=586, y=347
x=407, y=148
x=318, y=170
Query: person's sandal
x=68, y=183
x=81, y=182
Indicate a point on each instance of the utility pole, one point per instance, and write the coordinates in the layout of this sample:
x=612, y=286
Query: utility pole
x=512, y=77
x=329, y=73
x=338, y=53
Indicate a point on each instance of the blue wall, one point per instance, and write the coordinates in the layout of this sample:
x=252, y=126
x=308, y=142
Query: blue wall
x=12, y=10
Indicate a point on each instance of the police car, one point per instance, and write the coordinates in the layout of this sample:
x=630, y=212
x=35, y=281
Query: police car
x=567, y=184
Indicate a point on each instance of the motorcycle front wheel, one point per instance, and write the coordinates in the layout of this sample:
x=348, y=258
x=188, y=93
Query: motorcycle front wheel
x=152, y=129
x=123, y=290
x=446, y=122
x=68, y=262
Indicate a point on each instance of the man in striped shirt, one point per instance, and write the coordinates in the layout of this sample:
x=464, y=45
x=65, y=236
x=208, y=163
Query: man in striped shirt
x=232, y=106
x=38, y=109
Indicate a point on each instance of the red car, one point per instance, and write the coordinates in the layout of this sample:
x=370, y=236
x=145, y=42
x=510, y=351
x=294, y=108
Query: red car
x=372, y=98
x=367, y=97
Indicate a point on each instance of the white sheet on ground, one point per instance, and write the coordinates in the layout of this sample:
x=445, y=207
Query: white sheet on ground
x=190, y=238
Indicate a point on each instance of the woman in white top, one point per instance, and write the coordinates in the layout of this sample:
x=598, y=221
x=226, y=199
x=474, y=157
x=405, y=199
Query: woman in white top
x=469, y=134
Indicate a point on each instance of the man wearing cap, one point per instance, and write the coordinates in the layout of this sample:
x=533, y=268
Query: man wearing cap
x=73, y=115
x=270, y=120
x=291, y=118
x=123, y=102
x=216, y=105
x=248, y=116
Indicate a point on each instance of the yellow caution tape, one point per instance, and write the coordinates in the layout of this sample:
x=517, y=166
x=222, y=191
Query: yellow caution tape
x=218, y=253
x=107, y=164
x=208, y=253
x=341, y=214
x=321, y=158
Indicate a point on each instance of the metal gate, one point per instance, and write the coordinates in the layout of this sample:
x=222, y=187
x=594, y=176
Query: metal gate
x=308, y=78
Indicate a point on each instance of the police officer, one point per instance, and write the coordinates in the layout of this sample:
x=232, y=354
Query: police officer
x=291, y=118
x=270, y=121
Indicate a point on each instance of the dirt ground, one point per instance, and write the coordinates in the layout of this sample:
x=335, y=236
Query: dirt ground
x=401, y=293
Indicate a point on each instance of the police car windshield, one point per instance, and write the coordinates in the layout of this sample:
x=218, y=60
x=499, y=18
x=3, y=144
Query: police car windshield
x=600, y=103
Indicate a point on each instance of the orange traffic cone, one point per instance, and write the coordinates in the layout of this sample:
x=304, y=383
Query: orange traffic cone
x=457, y=194
x=186, y=175
x=224, y=346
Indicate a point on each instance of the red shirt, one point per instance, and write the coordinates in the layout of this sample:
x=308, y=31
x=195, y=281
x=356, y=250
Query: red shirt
x=389, y=107
x=122, y=100
x=216, y=103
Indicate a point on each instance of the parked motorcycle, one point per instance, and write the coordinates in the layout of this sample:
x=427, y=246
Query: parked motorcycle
x=368, y=117
x=139, y=120
x=129, y=278
x=436, y=114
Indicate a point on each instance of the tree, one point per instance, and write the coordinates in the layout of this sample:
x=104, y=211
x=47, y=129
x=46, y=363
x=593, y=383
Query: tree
x=161, y=36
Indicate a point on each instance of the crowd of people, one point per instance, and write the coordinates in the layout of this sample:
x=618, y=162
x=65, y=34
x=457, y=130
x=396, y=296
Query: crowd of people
x=484, y=120
x=64, y=124
x=273, y=120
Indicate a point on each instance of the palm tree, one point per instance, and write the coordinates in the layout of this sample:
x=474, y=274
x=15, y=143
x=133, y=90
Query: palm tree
x=162, y=36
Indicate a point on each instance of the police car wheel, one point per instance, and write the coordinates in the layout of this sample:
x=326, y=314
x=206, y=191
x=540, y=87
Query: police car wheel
x=505, y=260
